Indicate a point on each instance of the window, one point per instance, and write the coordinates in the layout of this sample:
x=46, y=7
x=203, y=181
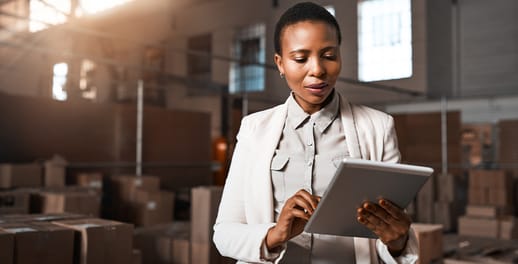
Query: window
x=384, y=40
x=95, y=6
x=59, y=81
x=246, y=75
x=87, y=80
x=50, y=11
x=56, y=12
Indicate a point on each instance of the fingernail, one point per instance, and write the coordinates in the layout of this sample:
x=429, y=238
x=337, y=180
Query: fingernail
x=383, y=202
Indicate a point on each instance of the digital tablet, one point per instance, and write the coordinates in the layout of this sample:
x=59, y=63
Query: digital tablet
x=356, y=181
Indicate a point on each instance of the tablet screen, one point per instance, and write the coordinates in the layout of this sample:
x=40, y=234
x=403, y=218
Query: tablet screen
x=356, y=181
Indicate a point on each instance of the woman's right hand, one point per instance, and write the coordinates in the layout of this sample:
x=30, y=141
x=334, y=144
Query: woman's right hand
x=293, y=217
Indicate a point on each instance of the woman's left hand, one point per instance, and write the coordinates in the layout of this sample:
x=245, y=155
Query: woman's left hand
x=389, y=222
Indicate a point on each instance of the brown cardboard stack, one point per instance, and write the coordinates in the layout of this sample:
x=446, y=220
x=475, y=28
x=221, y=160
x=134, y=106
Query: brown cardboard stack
x=37, y=243
x=490, y=205
x=164, y=244
x=205, y=203
x=140, y=201
x=153, y=207
x=14, y=202
x=420, y=142
x=508, y=147
x=84, y=201
x=136, y=256
x=101, y=241
x=425, y=201
x=92, y=180
x=430, y=240
x=451, y=200
x=54, y=172
x=7, y=247
x=20, y=175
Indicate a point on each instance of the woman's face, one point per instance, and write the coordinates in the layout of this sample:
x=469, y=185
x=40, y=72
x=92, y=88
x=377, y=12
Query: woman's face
x=310, y=62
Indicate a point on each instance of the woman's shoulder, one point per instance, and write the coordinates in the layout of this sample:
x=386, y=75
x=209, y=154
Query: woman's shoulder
x=363, y=110
x=264, y=115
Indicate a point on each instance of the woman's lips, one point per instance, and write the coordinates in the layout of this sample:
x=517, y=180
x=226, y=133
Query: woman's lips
x=316, y=85
x=317, y=89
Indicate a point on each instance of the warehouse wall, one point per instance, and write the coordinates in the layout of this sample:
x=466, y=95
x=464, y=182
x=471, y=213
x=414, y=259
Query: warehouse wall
x=488, y=47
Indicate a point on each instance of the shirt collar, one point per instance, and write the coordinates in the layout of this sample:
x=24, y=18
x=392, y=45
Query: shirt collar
x=323, y=118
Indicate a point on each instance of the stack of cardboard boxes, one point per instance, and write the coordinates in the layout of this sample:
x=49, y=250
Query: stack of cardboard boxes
x=185, y=242
x=451, y=200
x=420, y=142
x=64, y=239
x=139, y=200
x=205, y=203
x=164, y=243
x=490, y=211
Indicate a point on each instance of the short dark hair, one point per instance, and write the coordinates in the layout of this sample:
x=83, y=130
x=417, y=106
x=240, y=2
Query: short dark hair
x=306, y=11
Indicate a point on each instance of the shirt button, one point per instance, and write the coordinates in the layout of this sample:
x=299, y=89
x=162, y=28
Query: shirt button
x=310, y=143
x=310, y=163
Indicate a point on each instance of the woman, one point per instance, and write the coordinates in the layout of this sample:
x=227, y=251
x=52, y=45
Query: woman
x=286, y=156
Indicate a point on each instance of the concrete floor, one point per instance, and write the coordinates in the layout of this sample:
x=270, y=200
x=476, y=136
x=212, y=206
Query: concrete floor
x=464, y=249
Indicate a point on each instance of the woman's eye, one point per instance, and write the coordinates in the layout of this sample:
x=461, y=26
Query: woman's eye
x=330, y=56
x=300, y=60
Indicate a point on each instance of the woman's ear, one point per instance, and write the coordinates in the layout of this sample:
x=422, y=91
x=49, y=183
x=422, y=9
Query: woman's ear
x=278, y=62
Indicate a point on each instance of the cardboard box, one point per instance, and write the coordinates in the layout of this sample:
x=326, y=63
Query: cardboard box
x=501, y=196
x=205, y=203
x=7, y=247
x=425, y=202
x=126, y=186
x=478, y=196
x=429, y=238
x=447, y=213
x=480, y=227
x=91, y=180
x=164, y=243
x=79, y=202
x=54, y=171
x=36, y=243
x=14, y=202
x=181, y=251
x=487, y=211
x=136, y=257
x=204, y=253
x=20, y=175
x=509, y=228
x=27, y=218
x=101, y=241
x=153, y=207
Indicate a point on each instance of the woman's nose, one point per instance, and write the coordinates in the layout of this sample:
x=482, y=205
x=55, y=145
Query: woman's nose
x=317, y=68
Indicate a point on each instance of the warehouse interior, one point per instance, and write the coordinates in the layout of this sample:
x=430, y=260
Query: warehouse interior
x=119, y=119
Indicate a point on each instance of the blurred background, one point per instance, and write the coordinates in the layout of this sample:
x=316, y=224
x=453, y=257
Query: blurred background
x=126, y=111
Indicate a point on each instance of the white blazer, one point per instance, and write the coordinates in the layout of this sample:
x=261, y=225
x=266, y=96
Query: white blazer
x=246, y=211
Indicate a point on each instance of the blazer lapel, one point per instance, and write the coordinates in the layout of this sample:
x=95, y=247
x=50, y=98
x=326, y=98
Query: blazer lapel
x=262, y=184
x=349, y=125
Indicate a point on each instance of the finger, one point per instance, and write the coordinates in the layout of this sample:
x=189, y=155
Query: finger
x=302, y=203
x=372, y=219
x=299, y=214
x=394, y=210
x=376, y=225
x=378, y=211
x=312, y=199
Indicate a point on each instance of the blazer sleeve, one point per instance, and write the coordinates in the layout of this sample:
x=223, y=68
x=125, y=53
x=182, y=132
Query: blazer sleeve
x=233, y=236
